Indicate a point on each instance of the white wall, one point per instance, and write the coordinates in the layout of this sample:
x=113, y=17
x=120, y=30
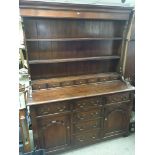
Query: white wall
x=98, y=2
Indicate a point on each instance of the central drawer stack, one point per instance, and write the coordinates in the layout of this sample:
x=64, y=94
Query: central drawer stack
x=86, y=120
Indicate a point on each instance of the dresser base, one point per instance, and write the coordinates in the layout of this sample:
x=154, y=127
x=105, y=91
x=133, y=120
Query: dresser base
x=69, y=148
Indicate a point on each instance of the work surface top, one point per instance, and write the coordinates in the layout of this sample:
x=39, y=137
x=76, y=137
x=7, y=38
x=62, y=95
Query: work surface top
x=75, y=92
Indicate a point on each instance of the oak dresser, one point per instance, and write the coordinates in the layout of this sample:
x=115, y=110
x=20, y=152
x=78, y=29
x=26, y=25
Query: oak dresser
x=76, y=55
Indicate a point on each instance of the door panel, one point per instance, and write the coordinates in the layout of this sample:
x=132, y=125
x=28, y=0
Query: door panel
x=53, y=131
x=117, y=118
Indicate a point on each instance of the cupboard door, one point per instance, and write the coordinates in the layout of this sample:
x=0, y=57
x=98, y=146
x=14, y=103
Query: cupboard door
x=117, y=117
x=54, y=131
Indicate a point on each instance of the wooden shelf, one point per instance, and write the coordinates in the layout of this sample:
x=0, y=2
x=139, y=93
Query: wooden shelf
x=72, y=59
x=74, y=39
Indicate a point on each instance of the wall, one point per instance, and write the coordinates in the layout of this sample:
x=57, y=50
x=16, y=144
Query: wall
x=98, y=2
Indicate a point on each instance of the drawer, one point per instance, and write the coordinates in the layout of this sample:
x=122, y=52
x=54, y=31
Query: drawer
x=44, y=122
x=86, y=137
x=91, y=114
x=39, y=86
x=53, y=85
x=126, y=106
x=52, y=108
x=118, y=97
x=84, y=126
x=114, y=78
x=88, y=103
x=102, y=79
x=92, y=80
x=81, y=81
x=67, y=83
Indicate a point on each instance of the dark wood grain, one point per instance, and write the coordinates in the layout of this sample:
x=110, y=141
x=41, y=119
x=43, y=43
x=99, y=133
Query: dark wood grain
x=41, y=71
x=71, y=49
x=59, y=29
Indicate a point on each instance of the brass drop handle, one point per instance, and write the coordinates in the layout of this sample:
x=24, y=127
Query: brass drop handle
x=125, y=97
x=53, y=122
x=81, y=140
x=93, y=137
x=80, y=117
x=92, y=114
x=80, y=128
x=45, y=112
x=105, y=119
x=57, y=122
x=83, y=104
x=61, y=108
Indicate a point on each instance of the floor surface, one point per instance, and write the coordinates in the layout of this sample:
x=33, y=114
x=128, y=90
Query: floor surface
x=118, y=146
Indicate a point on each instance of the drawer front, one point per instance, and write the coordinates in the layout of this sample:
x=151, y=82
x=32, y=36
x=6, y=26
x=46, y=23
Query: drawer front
x=114, y=78
x=45, y=122
x=102, y=79
x=52, y=108
x=108, y=78
x=88, y=103
x=91, y=114
x=82, y=81
x=67, y=83
x=53, y=85
x=92, y=80
x=84, y=126
x=86, y=137
x=39, y=86
x=118, y=97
